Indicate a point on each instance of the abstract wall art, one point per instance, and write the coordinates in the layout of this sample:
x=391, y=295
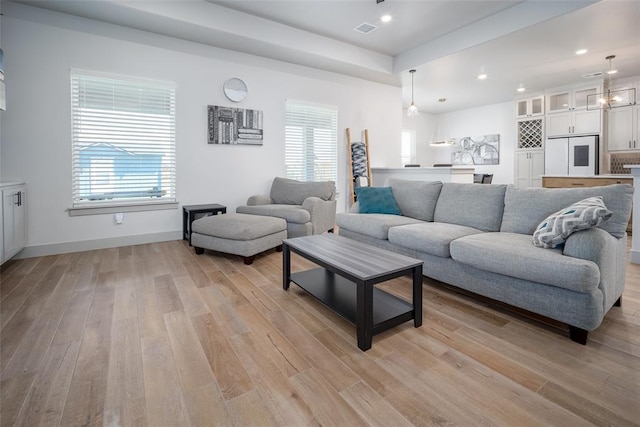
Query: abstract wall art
x=476, y=150
x=235, y=126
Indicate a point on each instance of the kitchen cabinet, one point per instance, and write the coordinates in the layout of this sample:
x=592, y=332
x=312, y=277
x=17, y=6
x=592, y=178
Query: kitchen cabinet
x=571, y=99
x=530, y=107
x=567, y=112
x=529, y=168
x=14, y=220
x=623, y=126
x=579, y=122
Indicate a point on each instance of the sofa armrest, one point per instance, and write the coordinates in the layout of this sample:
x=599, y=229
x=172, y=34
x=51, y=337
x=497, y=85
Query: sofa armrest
x=259, y=200
x=323, y=213
x=608, y=252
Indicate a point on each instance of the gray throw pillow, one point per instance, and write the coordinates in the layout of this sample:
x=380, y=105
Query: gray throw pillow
x=557, y=227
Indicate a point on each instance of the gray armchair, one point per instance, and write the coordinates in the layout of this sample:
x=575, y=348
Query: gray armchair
x=308, y=207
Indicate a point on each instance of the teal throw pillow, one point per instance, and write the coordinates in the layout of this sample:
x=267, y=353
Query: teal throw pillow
x=377, y=200
x=557, y=227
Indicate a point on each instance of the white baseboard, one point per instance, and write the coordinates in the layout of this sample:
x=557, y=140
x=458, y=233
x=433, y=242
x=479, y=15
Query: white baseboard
x=90, y=245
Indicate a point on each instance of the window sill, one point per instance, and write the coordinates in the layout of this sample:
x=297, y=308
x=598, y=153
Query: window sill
x=131, y=207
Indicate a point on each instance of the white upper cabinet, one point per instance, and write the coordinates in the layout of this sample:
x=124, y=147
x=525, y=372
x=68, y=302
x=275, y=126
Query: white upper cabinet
x=570, y=100
x=573, y=112
x=623, y=128
x=530, y=107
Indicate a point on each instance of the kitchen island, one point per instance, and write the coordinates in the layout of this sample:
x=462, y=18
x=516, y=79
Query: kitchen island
x=462, y=174
x=564, y=181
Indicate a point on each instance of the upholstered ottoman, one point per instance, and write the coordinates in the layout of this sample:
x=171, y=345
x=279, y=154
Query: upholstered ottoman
x=238, y=234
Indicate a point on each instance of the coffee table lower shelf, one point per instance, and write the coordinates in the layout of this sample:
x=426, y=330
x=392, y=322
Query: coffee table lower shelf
x=340, y=295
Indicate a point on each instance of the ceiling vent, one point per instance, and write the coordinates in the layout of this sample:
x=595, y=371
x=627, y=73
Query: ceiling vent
x=592, y=75
x=365, y=28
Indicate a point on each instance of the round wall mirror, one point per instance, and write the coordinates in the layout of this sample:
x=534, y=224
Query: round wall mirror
x=235, y=89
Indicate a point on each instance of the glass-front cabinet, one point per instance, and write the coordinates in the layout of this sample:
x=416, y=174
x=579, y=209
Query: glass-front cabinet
x=569, y=112
x=530, y=107
x=569, y=100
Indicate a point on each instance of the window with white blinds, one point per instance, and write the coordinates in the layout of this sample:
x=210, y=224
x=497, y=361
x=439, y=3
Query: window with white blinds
x=311, y=142
x=123, y=134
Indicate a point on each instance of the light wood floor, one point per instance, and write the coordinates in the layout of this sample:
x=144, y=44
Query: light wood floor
x=155, y=335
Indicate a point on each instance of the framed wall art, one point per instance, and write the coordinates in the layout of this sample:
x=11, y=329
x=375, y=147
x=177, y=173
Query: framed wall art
x=234, y=126
x=476, y=150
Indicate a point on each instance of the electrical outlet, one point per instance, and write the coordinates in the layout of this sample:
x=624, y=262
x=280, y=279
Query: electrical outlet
x=119, y=217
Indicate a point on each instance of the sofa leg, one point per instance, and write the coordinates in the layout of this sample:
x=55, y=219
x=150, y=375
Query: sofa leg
x=279, y=248
x=578, y=335
x=199, y=251
x=330, y=230
x=618, y=303
x=248, y=260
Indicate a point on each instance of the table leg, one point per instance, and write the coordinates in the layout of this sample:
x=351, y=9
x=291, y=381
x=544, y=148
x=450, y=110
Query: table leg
x=364, y=315
x=286, y=266
x=417, y=296
x=190, y=219
x=184, y=226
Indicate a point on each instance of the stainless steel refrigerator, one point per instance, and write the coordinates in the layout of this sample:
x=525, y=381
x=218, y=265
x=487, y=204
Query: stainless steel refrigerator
x=575, y=156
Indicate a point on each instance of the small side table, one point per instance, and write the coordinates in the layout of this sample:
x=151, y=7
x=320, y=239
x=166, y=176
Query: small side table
x=189, y=213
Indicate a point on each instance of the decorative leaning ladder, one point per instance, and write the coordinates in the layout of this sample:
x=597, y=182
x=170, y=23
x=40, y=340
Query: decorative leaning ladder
x=359, y=169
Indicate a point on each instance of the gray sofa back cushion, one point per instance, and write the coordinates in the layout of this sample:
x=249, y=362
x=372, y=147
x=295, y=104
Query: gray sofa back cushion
x=473, y=205
x=291, y=192
x=525, y=208
x=416, y=199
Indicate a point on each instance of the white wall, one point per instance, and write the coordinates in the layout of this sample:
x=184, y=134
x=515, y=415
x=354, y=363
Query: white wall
x=490, y=119
x=40, y=49
x=423, y=124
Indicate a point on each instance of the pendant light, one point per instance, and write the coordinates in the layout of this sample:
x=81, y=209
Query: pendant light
x=611, y=98
x=412, y=111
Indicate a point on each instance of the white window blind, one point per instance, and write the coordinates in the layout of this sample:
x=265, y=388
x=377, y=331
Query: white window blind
x=311, y=142
x=123, y=134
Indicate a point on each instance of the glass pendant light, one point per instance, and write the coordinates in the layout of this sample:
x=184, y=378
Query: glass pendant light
x=412, y=111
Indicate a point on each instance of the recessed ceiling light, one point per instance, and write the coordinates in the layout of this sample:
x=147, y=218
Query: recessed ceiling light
x=521, y=89
x=482, y=76
x=386, y=18
x=581, y=51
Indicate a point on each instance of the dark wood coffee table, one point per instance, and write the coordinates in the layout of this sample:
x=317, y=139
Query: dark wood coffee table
x=346, y=278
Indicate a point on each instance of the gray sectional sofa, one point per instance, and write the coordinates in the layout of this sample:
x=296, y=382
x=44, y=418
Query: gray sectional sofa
x=479, y=238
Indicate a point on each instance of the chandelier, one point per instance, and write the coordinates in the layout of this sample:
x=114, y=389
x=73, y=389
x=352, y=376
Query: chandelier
x=612, y=98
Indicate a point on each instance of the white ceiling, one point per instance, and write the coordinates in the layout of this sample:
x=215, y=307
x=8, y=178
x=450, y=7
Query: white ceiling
x=529, y=43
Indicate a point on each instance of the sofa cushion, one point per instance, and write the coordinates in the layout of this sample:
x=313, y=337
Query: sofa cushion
x=292, y=213
x=429, y=237
x=372, y=225
x=582, y=215
x=416, y=199
x=472, y=205
x=525, y=207
x=291, y=192
x=514, y=255
x=377, y=200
